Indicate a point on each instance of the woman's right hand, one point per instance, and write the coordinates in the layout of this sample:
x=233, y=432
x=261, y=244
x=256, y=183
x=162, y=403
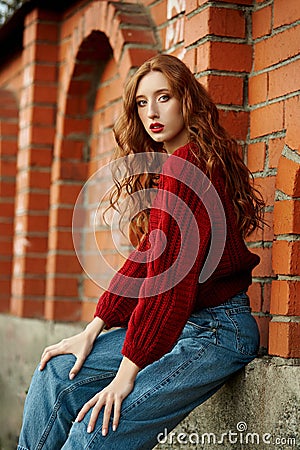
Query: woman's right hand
x=79, y=345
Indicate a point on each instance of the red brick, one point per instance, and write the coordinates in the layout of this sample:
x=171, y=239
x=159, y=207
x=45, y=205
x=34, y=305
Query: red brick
x=8, y=168
x=285, y=298
x=88, y=311
x=6, y=208
x=256, y=156
x=190, y=59
x=235, y=122
x=91, y=289
x=108, y=93
x=28, y=307
x=8, y=147
x=37, y=221
x=35, y=157
x=134, y=19
x=65, y=193
x=263, y=326
x=134, y=57
x=286, y=257
x=264, y=269
x=8, y=129
x=190, y=6
x=275, y=148
x=256, y=236
x=226, y=22
x=261, y=22
x=63, y=310
x=61, y=217
x=284, y=339
x=266, y=185
x=65, y=170
x=286, y=14
x=203, y=54
x=43, y=115
x=238, y=2
x=76, y=104
x=226, y=90
x=33, y=179
x=231, y=57
x=287, y=217
x=266, y=120
x=41, y=15
x=268, y=229
x=21, y=286
x=290, y=184
x=292, y=121
x=258, y=88
x=103, y=239
x=60, y=240
x=277, y=48
x=266, y=297
x=76, y=125
x=40, y=32
x=34, y=201
x=63, y=264
x=284, y=80
x=62, y=287
x=255, y=296
x=6, y=247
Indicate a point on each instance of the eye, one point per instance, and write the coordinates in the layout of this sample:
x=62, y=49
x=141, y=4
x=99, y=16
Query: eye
x=164, y=98
x=141, y=103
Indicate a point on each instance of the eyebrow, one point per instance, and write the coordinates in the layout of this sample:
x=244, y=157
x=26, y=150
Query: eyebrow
x=159, y=91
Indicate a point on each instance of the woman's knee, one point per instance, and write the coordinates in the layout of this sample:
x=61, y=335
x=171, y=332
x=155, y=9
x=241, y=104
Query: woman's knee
x=55, y=375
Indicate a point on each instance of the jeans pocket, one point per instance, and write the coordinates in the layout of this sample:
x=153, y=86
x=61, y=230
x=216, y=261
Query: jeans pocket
x=202, y=327
x=246, y=330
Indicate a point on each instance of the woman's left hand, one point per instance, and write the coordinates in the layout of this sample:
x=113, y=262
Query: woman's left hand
x=110, y=398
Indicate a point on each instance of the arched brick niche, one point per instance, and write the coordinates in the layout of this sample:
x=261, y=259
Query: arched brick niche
x=69, y=172
x=8, y=167
x=101, y=47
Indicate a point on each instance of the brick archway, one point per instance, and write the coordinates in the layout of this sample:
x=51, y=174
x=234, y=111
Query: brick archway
x=8, y=168
x=97, y=61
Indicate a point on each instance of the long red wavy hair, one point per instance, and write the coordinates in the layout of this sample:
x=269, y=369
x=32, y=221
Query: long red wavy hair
x=213, y=144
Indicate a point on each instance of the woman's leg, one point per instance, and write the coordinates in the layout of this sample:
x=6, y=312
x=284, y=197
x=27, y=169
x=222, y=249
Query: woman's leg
x=53, y=401
x=215, y=343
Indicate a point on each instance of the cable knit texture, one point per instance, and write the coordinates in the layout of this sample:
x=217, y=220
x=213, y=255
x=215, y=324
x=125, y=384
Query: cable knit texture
x=165, y=272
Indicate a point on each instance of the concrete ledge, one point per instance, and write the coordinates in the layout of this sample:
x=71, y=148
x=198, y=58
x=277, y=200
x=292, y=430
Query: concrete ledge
x=259, y=408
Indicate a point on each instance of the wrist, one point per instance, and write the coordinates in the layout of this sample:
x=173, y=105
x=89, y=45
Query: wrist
x=128, y=370
x=94, y=328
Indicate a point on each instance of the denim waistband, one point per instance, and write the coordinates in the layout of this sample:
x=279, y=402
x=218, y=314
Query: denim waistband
x=240, y=299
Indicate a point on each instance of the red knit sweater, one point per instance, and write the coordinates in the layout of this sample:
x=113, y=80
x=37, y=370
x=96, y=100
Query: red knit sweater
x=160, y=307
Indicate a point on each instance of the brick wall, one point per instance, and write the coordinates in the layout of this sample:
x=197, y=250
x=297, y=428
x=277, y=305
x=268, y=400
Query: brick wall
x=60, y=97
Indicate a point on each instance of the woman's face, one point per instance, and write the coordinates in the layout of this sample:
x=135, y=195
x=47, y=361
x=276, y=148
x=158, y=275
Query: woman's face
x=160, y=112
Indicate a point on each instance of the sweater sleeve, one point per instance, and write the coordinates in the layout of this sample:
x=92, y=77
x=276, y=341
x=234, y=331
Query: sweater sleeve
x=116, y=304
x=179, y=243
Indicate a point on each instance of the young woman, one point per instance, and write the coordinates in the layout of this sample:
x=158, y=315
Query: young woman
x=186, y=333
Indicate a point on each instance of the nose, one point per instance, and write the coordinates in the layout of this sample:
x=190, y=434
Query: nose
x=152, y=110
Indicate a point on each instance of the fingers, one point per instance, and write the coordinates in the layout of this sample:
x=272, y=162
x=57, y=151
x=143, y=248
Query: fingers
x=48, y=353
x=106, y=415
x=117, y=413
x=109, y=402
x=76, y=368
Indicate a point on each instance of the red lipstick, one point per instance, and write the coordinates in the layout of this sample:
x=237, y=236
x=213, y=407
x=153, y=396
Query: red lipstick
x=156, y=127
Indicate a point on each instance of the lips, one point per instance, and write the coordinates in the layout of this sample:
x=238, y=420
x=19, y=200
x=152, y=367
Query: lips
x=156, y=127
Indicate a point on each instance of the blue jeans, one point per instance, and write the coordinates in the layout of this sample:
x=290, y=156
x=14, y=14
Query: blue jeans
x=215, y=343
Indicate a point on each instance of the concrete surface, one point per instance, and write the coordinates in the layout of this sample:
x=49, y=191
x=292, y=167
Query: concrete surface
x=259, y=408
